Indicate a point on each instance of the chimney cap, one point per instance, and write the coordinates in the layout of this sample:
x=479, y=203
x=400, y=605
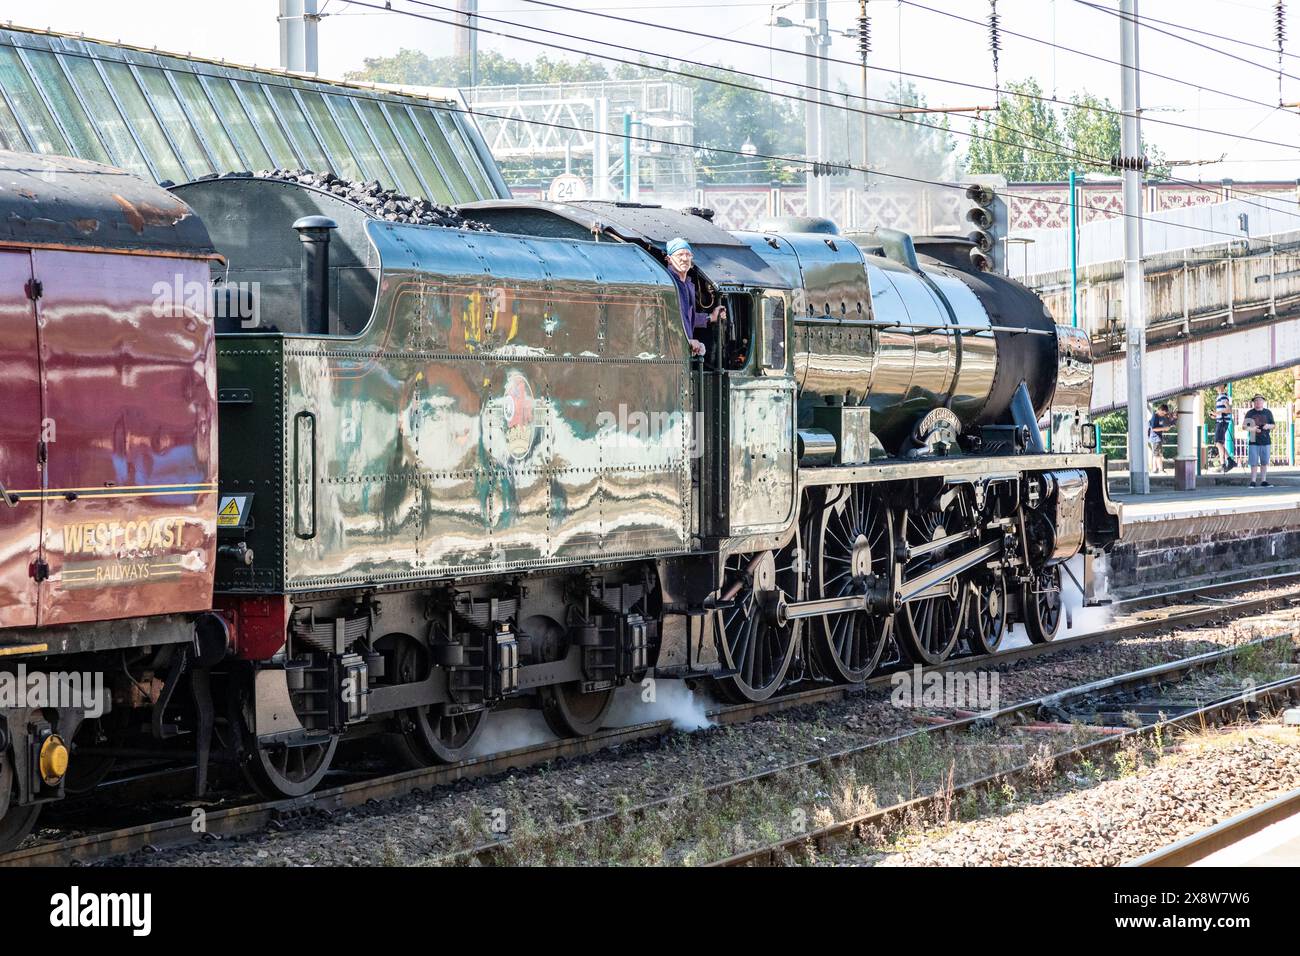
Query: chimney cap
x=315, y=222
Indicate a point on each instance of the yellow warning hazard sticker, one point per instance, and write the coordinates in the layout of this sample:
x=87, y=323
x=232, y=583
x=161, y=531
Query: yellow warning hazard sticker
x=230, y=514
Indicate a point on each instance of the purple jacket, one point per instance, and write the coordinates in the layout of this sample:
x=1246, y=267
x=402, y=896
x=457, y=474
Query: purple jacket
x=692, y=317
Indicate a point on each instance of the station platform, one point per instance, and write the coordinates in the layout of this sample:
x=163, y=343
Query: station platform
x=1277, y=845
x=1209, y=509
x=1222, y=530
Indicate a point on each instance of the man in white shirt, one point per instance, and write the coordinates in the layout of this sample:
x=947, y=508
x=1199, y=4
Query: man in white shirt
x=1222, y=421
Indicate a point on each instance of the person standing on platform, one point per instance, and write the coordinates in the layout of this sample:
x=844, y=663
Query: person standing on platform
x=1259, y=423
x=1161, y=421
x=1222, y=421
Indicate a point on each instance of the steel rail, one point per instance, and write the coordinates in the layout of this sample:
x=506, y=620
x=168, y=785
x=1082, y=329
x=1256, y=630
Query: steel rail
x=851, y=829
x=493, y=852
x=1227, y=833
x=253, y=817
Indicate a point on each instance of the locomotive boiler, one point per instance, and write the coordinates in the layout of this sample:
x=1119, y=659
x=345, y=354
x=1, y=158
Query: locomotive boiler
x=463, y=469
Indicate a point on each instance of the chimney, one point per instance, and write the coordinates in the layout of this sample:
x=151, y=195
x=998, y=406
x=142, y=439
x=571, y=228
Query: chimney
x=314, y=278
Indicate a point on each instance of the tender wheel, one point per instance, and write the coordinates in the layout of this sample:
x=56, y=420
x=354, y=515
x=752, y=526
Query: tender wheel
x=87, y=771
x=278, y=770
x=749, y=639
x=931, y=626
x=283, y=771
x=986, y=621
x=427, y=735
x=15, y=822
x=1043, y=608
x=852, y=547
x=571, y=713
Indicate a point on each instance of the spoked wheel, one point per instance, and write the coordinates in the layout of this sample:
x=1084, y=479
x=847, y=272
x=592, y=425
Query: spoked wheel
x=931, y=626
x=427, y=735
x=986, y=620
x=749, y=639
x=279, y=770
x=570, y=712
x=852, y=547
x=1043, y=607
x=15, y=821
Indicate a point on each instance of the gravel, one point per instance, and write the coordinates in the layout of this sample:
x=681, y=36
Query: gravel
x=1110, y=822
x=420, y=828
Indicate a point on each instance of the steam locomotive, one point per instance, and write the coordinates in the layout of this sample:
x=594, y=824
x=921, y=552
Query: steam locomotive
x=468, y=469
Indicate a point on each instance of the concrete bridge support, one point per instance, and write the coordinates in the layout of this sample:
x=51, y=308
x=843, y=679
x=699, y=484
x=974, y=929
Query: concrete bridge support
x=1190, y=419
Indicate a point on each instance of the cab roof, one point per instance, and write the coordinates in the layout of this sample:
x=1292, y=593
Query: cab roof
x=724, y=258
x=57, y=201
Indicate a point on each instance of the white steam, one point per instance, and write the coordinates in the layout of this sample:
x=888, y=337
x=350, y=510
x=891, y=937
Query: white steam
x=659, y=699
x=642, y=703
x=1078, y=618
x=511, y=729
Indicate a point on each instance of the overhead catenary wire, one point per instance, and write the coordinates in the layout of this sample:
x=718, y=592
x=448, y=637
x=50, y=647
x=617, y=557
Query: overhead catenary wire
x=1265, y=245
x=929, y=77
x=1146, y=17
x=1196, y=43
x=358, y=93
x=1061, y=151
x=1094, y=56
x=1068, y=154
x=804, y=162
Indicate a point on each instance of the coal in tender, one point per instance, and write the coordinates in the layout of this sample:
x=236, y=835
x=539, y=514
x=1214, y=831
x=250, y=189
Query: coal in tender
x=386, y=204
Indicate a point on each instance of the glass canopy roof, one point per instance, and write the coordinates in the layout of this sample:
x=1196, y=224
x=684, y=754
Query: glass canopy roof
x=172, y=118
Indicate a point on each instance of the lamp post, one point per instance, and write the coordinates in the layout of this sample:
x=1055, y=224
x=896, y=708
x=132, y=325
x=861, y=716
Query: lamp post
x=817, y=40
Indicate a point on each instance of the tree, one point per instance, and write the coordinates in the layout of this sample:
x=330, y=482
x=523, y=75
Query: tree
x=1278, y=388
x=1092, y=131
x=413, y=68
x=1021, y=140
x=1026, y=141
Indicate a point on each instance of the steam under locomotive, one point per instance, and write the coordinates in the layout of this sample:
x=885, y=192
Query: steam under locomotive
x=468, y=469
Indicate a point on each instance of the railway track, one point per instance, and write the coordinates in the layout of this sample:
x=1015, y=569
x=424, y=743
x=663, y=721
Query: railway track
x=1028, y=712
x=853, y=829
x=1200, y=846
x=254, y=816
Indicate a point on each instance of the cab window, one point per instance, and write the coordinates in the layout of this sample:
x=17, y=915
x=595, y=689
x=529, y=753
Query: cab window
x=773, y=344
x=738, y=338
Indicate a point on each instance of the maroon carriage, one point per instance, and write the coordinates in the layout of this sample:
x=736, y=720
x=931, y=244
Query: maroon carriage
x=108, y=462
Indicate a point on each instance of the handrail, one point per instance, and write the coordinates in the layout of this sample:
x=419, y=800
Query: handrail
x=838, y=321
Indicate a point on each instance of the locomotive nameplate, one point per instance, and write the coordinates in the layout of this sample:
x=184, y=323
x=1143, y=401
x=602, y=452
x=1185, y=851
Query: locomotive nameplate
x=121, y=552
x=109, y=536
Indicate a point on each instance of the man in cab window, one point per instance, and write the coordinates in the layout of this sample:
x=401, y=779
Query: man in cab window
x=680, y=260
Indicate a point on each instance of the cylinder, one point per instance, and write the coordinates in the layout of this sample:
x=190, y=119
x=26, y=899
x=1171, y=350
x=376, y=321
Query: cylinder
x=314, y=278
x=816, y=446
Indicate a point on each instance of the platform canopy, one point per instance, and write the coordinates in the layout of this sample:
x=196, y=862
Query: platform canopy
x=173, y=118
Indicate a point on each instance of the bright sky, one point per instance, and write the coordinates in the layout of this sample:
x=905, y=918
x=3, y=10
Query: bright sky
x=905, y=37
